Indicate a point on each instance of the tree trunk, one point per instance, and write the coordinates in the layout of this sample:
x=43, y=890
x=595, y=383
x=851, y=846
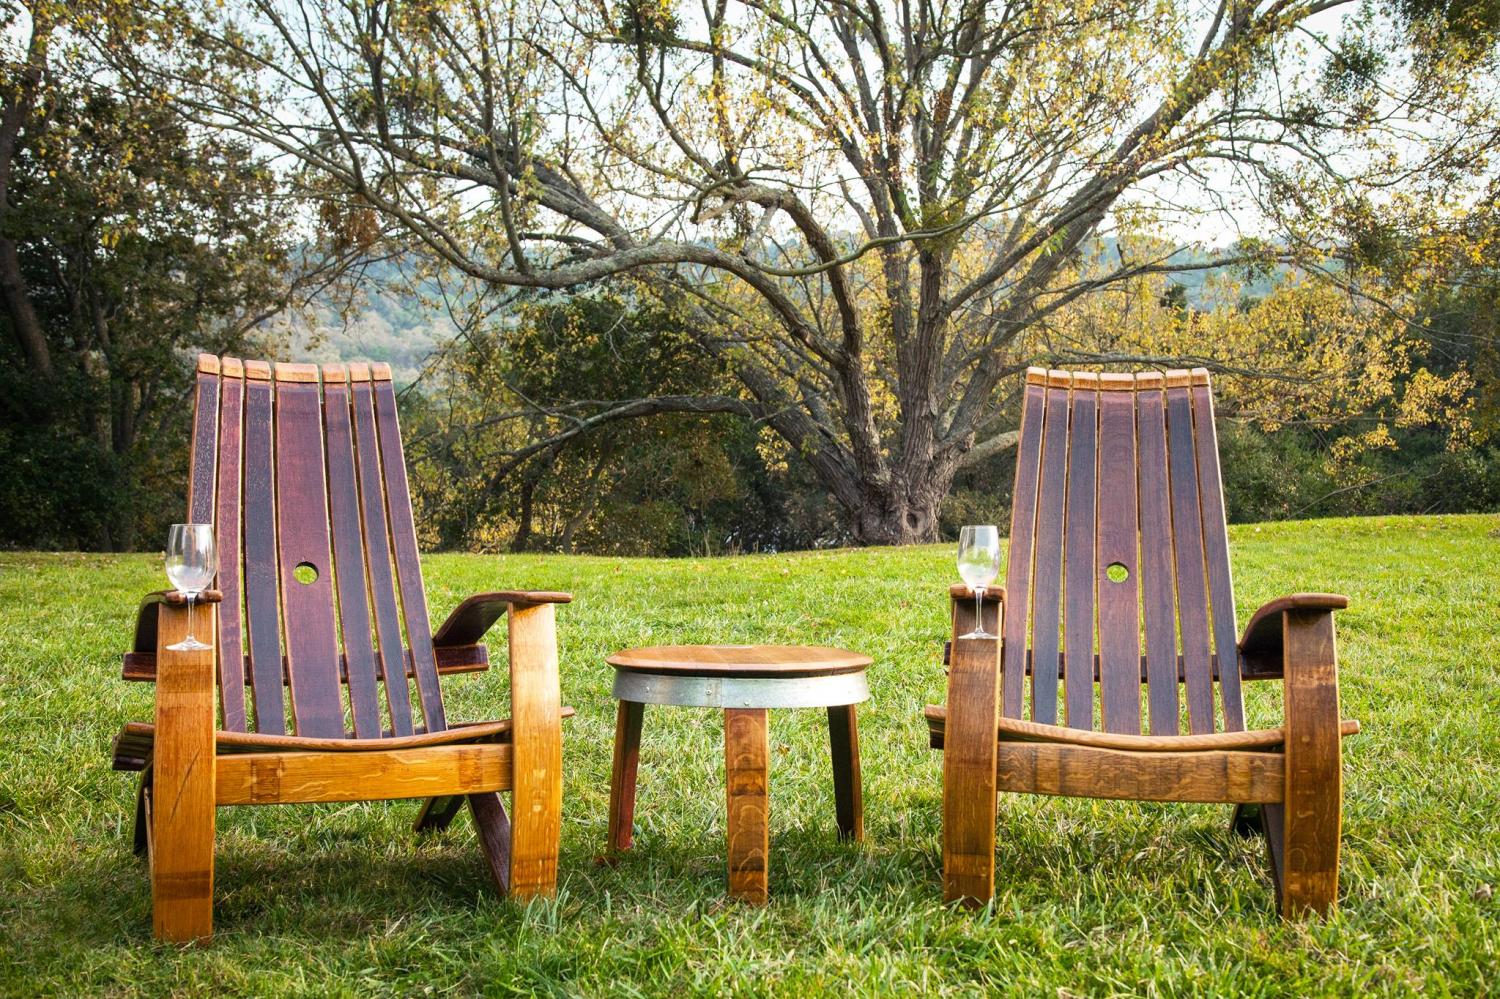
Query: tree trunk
x=907, y=512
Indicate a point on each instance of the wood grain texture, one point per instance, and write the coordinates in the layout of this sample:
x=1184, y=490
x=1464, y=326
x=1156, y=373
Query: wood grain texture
x=408, y=564
x=739, y=660
x=1216, y=550
x=1019, y=555
x=140, y=667
x=1314, y=790
x=1080, y=532
x=629, y=717
x=990, y=609
x=302, y=540
x=349, y=558
x=1020, y=730
x=204, y=448
x=969, y=773
x=393, y=661
x=231, y=643
x=1046, y=592
x=1187, y=542
x=1119, y=603
x=467, y=623
x=536, y=797
x=1090, y=772
x=272, y=778
x=1261, y=650
x=746, y=761
x=848, y=789
x=262, y=599
x=492, y=826
x=1158, y=588
x=183, y=787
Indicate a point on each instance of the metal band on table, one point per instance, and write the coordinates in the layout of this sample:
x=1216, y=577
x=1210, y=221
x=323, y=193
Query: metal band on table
x=742, y=692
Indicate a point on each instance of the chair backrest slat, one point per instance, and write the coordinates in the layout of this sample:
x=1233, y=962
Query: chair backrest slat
x=1187, y=534
x=1080, y=543
x=305, y=551
x=262, y=596
x=349, y=556
x=1119, y=598
x=404, y=545
x=1216, y=556
x=378, y=550
x=1118, y=532
x=1014, y=630
x=227, y=542
x=205, y=444
x=1047, y=571
x=1158, y=603
x=302, y=473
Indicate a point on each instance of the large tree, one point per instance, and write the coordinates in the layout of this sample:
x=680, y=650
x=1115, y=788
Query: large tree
x=128, y=240
x=869, y=211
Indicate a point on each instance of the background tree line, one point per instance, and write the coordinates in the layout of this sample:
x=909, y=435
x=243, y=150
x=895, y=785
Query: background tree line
x=747, y=277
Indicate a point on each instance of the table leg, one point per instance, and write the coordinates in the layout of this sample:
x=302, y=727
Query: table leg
x=746, y=734
x=628, y=717
x=848, y=796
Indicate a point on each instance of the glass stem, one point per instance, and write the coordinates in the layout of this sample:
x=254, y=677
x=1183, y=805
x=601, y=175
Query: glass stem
x=190, y=639
x=979, y=609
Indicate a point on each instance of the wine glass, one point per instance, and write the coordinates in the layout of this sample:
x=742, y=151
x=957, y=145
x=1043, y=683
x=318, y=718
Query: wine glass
x=979, y=564
x=190, y=567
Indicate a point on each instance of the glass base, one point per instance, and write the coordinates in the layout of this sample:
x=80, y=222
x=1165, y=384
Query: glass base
x=981, y=633
x=188, y=645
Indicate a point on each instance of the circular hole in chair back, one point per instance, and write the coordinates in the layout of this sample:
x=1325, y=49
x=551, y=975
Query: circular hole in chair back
x=1117, y=572
x=305, y=573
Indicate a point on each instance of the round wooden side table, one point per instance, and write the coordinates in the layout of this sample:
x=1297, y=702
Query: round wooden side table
x=746, y=681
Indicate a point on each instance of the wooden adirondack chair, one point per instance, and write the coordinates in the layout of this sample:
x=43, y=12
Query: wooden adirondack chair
x=1118, y=532
x=304, y=479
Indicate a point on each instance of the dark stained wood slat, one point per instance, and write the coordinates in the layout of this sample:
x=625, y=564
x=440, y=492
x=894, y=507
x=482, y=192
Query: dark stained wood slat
x=349, y=556
x=1046, y=595
x=404, y=544
x=140, y=667
x=1019, y=554
x=205, y=442
x=1081, y=531
x=231, y=649
x=262, y=610
x=1158, y=606
x=1216, y=551
x=393, y=662
x=302, y=507
x=1119, y=604
x=1187, y=530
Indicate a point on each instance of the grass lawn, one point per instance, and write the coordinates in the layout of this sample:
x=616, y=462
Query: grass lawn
x=1094, y=898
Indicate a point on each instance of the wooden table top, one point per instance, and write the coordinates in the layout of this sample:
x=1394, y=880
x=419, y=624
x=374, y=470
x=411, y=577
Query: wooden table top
x=739, y=660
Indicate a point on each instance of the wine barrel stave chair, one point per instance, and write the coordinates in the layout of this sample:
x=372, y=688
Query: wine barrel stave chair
x=320, y=595
x=1118, y=581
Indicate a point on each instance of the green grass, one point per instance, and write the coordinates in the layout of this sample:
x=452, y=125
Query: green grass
x=1094, y=897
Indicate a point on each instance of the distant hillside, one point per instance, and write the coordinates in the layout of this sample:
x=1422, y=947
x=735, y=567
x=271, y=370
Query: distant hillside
x=404, y=330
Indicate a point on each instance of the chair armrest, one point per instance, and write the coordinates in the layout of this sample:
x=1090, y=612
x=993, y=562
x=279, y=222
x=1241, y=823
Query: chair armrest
x=961, y=601
x=1261, y=648
x=471, y=619
x=147, y=614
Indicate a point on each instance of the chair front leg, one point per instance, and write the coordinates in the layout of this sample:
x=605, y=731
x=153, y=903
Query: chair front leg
x=536, y=718
x=182, y=784
x=1314, y=791
x=970, y=748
